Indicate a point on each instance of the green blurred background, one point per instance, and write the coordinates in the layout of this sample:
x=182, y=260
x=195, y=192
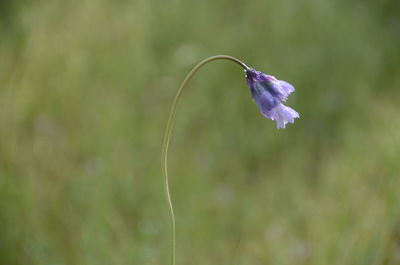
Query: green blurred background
x=85, y=90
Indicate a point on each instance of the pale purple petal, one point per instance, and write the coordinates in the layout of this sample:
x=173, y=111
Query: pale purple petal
x=277, y=89
x=283, y=114
x=287, y=87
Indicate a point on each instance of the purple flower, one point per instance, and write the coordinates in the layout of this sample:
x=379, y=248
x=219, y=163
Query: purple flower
x=269, y=92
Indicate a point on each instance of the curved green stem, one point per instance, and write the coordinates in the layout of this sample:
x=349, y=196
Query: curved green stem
x=167, y=137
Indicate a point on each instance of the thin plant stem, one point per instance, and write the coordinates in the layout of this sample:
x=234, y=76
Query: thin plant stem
x=167, y=137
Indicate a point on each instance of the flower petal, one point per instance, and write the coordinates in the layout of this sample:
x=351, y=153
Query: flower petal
x=287, y=87
x=282, y=115
x=276, y=89
x=264, y=99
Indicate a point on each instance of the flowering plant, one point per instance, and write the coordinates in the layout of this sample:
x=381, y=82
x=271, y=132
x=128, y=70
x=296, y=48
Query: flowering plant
x=267, y=91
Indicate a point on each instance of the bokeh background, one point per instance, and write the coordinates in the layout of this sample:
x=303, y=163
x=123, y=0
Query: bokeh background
x=85, y=91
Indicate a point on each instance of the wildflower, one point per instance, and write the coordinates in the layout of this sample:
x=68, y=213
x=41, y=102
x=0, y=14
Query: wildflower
x=269, y=92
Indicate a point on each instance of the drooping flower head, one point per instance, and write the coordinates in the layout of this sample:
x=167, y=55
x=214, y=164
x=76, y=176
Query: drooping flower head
x=269, y=92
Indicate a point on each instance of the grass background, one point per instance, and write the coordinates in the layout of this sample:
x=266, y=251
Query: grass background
x=85, y=90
